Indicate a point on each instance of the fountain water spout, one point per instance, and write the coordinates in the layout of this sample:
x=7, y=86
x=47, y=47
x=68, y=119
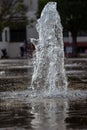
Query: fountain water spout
x=49, y=71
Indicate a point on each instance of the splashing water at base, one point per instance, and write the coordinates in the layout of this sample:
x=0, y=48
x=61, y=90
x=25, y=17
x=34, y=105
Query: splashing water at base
x=49, y=73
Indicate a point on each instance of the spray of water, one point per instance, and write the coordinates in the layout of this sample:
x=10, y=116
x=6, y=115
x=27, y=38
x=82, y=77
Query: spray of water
x=49, y=73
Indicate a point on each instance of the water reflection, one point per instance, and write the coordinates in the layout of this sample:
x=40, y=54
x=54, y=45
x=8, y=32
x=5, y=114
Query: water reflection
x=43, y=114
x=15, y=116
x=77, y=115
x=36, y=115
x=49, y=115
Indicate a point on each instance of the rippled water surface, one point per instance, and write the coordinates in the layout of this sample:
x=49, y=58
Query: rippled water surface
x=43, y=114
x=21, y=111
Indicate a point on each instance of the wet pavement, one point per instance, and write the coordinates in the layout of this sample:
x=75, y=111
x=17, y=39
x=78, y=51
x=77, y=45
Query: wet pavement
x=48, y=114
x=23, y=113
x=17, y=73
x=14, y=74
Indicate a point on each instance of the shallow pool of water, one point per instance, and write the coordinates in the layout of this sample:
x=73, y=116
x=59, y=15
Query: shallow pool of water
x=21, y=109
x=43, y=114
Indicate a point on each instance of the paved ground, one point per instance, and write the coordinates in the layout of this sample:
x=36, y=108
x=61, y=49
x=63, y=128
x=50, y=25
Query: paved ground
x=17, y=73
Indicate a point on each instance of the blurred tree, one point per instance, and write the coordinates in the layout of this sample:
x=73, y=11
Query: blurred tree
x=12, y=13
x=73, y=16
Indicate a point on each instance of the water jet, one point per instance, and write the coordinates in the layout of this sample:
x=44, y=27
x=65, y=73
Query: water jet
x=49, y=72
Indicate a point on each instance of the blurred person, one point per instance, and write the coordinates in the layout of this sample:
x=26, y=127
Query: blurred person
x=31, y=48
x=22, y=49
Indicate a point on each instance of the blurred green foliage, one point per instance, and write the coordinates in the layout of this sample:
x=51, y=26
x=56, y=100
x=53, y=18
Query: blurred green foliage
x=12, y=13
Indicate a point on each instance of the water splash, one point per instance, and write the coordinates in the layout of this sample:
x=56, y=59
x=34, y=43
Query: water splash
x=49, y=73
